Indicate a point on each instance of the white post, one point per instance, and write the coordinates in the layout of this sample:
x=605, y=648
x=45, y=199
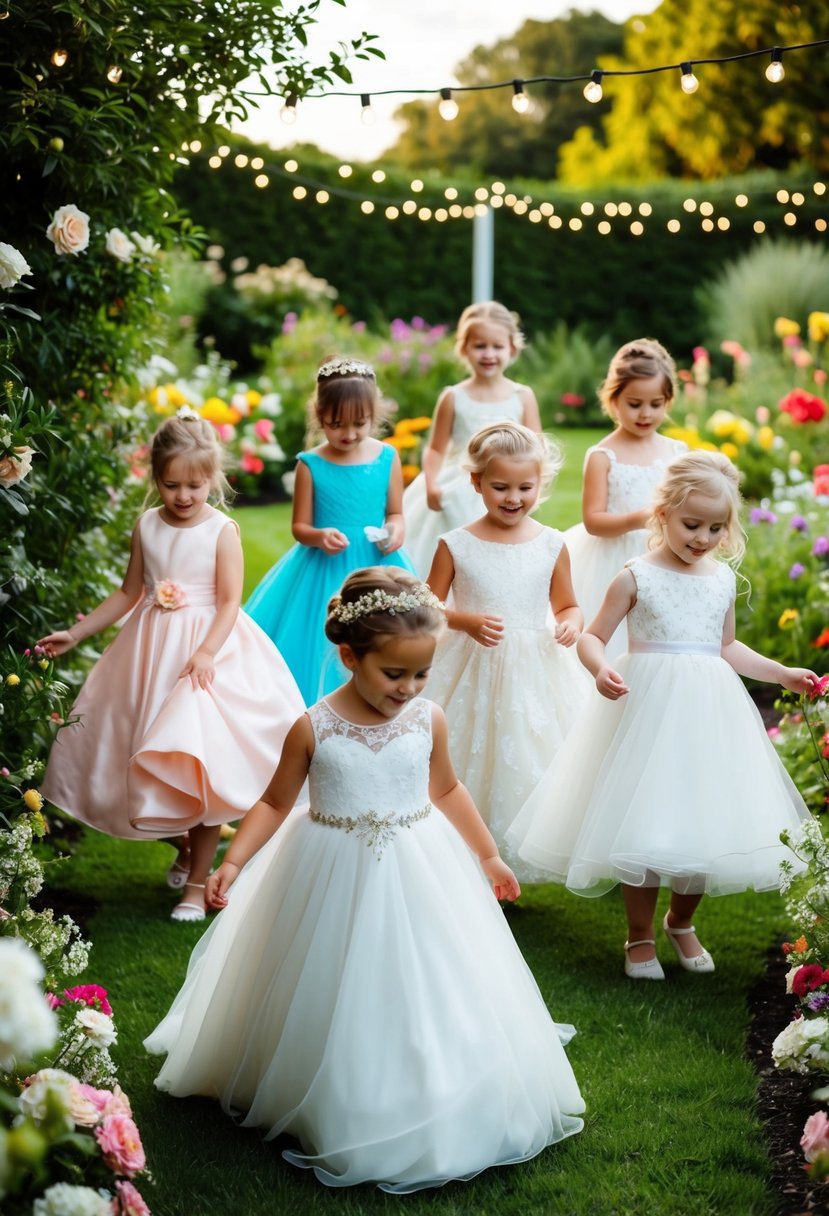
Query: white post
x=483, y=262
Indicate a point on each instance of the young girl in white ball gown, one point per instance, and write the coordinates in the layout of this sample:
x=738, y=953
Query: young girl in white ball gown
x=361, y=991
x=621, y=473
x=506, y=673
x=441, y=497
x=669, y=778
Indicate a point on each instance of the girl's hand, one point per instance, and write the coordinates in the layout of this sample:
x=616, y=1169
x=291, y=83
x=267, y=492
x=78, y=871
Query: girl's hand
x=200, y=669
x=610, y=684
x=566, y=633
x=799, y=679
x=332, y=541
x=57, y=643
x=486, y=630
x=434, y=498
x=219, y=883
x=504, y=883
x=395, y=536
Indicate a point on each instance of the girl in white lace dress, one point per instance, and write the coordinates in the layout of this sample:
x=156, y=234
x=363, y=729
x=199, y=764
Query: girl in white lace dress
x=669, y=778
x=621, y=473
x=441, y=497
x=506, y=674
x=362, y=992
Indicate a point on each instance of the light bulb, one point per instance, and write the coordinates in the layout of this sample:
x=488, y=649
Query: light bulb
x=520, y=100
x=288, y=111
x=59, y=57
x=448, y=107
x=688, y=82
x=114, y=73
x=593, y=88
x=367, y=115
x=775, y=70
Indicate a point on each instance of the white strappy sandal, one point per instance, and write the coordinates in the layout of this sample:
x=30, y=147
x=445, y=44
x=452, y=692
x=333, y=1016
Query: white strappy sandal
x=188, y=909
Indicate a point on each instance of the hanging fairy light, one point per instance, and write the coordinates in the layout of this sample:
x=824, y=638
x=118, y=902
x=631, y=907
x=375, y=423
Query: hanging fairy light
x=59, y=56
x=775, y=70
x=367, y=114
x=688, y=81
x=593, y=88
x=288, y=111
x=520, y=100
x=448, y=107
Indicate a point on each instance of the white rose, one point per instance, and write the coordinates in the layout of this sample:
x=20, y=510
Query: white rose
x=802, y=1044
x=119, y=245
x=13, y=266
x=64, y=1199
x=69, y=230
x=145, y=244
x=27, y=1024
x=34, y=1100
x=15, y=467
x=270, y=404
x=97, y=1026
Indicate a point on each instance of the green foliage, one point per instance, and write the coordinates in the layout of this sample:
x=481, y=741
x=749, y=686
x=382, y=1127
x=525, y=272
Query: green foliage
x=773, y=279
x=801, y=740
x=565, y=368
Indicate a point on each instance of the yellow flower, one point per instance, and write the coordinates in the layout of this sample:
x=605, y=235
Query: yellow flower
x=218, y=411
x=765, y=437
x=253, y=398
x=787, y=618
x=402, y=442
x=410, y=426
x=818, y=323
x=43, y=664
x=730, y=450
x=784, y=328
x=12, y=680
x=33, y=800
x=410, y=471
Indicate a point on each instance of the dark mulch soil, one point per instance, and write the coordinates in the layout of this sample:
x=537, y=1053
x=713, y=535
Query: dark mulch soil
x=784, y=1101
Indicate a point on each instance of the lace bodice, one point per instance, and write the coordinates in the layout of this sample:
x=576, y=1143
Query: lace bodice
x=350, y=495
x=511, y=581
x=675, y=607
x=383, y=769
x=471, y=416
x=630, y=487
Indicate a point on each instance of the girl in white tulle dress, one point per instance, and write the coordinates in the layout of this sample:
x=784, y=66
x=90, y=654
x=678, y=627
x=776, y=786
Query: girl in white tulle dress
x=669, y=778
x=621, y=473
x=361, y=991
x=506, y=673
x=441, y=497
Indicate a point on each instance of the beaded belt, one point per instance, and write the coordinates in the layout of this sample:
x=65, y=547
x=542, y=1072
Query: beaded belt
x=712, y=649
x=375, y=829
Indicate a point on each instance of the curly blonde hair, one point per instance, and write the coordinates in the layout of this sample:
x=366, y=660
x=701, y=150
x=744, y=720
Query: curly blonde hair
x=708, y=473
x=512, y=441
x=640, y=360
x=367, y=631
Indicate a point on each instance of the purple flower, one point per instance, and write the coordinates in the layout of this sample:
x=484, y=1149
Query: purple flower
x=816, y=1001
x=399, y=330
x=797, y=569
x=799, y=524
x=289, y=322
x=359, y=327
x=821, y=547
x=759, y=515
x=418, y=323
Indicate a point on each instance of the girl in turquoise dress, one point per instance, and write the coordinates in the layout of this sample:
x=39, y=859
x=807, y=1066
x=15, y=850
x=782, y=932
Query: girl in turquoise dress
x=347, y=514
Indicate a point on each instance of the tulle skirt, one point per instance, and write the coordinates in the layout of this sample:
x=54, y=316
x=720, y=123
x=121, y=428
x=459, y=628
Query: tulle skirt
x=675, y=784
x=378, y=1011
x=461, y=504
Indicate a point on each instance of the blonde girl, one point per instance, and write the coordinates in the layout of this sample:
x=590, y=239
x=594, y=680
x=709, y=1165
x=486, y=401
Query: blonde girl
x=347, y=514
x=622, y=471
x=506, y=673
x=324, y=1001
x=488, y=339
x=185, y=713
x=669, y=778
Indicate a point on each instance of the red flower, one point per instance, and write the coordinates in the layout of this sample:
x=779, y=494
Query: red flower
x=91, y=995
x=573, y=399
x=802, y=406
x=821, y=479
x=808, y=978
x=820, y=689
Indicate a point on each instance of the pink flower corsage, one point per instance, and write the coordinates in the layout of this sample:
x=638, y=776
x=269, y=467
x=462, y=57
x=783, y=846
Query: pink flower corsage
x=169, y=596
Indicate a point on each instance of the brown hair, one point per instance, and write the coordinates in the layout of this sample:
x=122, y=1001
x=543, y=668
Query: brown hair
x=366, y=631
x=193, y=439
x=489, y=312
x=342, y=396
x=708, y=473
x=639, y=360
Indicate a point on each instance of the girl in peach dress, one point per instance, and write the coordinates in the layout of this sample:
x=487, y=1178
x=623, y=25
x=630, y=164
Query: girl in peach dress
x=181, y=722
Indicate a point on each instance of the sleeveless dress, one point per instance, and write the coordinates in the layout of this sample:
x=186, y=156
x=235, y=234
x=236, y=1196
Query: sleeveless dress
x=151, y=756
x=291, y=602
x=362, y=991
x=596, y=560
x=461, y=501
x=676, y=783
x=508, y=706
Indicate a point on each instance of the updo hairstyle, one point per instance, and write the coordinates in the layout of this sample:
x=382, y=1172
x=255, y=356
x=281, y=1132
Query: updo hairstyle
x=194, y=440
x=512, y=441
x=639, y=360
x=367, y=631
x=346, y=390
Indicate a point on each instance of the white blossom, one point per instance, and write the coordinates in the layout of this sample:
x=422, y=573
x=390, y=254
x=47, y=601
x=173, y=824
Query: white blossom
x=13, y=266
x=119, y=245
x=27, y=1024
x=803, y=1045
x=97, y=1026
x=64, y=1199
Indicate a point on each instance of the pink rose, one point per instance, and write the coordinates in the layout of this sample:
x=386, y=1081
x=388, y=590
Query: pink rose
x=107, y=1101
x=15, y=467
x=169, y=596
x=69, y=230
x=90, y=994
x=121, y=1145
x=263, y=429
x=130, y=1202
x=815, y=1138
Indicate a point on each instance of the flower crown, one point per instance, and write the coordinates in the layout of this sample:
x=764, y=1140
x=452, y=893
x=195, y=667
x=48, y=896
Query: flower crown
x=382, y=601
x=186, y=412
x=345, y=367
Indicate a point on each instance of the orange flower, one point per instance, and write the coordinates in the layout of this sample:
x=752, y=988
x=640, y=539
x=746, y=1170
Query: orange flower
x=410, y=471
x=402, y=442
x=411, y=426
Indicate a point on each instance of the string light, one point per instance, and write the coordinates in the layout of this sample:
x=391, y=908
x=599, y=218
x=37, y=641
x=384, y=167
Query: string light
x=447, y=107
x=520, y=100
x=593, y=88
x=288, y=111
x=775, y=70
x=366, y=113
x=59, y=56
x=114, y=73
x=688, y=81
